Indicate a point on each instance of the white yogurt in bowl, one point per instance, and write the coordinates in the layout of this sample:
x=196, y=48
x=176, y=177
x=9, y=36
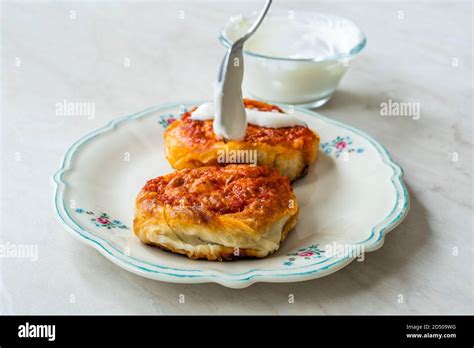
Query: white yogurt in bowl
x=295, y=58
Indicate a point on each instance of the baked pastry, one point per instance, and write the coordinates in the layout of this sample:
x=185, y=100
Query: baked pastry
x=217, y=213
x=290, y=150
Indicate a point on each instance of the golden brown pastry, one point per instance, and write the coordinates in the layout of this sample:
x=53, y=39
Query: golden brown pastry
x=217, y=213
x=290, y=150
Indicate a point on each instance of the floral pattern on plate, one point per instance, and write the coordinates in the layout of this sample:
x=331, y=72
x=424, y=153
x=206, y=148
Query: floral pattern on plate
x=166, y=120
x=308, y=253
x=102, y=220
x=340, y=145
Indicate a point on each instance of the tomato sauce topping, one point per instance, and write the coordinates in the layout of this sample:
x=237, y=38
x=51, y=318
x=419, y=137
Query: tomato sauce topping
x=201, y=132
x=224, y=190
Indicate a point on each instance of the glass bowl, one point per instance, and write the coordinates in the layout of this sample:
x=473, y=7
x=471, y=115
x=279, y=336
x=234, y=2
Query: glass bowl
x=295, y=57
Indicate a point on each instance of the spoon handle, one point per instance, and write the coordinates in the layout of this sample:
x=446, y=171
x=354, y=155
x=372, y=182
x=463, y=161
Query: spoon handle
x=255, y=26
x=230, y=121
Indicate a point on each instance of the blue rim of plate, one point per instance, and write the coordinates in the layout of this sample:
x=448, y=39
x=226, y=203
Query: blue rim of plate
x=98, y=242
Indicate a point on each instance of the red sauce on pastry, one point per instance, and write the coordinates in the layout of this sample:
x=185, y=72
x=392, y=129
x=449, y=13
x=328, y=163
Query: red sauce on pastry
x=201, y=132
x=223, y=190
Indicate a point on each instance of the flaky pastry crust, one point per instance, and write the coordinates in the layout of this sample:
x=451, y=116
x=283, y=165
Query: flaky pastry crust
x=217, y=213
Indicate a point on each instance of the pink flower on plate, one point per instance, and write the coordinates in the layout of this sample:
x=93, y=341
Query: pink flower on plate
x=103, y=221
x=306, y=253
x=340, y=145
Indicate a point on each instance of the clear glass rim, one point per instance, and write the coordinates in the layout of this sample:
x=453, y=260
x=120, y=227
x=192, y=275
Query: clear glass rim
x=351, y=53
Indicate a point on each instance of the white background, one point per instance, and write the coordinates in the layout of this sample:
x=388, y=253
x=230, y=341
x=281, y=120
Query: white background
x=48, y=56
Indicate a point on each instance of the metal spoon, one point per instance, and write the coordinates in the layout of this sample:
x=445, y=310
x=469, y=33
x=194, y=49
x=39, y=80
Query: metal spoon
x=230, y=120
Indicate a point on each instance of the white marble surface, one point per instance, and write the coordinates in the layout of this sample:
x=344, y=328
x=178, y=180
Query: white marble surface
x=82, y=59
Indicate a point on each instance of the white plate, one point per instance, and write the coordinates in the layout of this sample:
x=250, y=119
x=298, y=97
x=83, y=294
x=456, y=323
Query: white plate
x=350, y=199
